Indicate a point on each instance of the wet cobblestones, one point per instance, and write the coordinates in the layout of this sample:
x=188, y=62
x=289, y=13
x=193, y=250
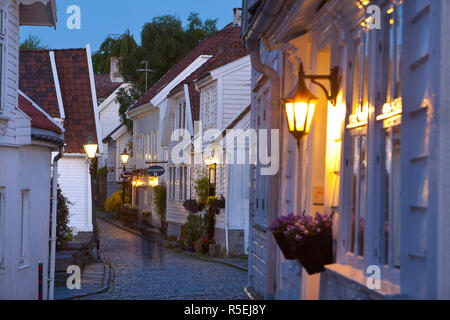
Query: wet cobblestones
x=145, y=270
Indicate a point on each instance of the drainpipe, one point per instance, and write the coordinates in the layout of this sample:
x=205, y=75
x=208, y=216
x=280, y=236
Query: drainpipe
x=273, y=181
x=54, y=198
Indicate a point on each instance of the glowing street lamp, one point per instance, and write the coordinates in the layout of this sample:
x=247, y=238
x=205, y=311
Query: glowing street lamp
x=90, y=148
x=124, y=157
x=300, y=106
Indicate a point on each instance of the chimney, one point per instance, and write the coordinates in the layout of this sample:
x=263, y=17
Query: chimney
x=114, y=73
x=237, y=17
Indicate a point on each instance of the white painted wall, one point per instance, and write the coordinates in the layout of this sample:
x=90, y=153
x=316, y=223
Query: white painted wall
x=74, y=180
x=24, y=168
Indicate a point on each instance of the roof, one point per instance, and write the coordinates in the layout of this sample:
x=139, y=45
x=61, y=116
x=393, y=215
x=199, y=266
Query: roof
x=109, y=136
x=36, y=80
x=74, y=79
x=104, y=86
x=236, y=120
x=39, y=118
x=224, y=46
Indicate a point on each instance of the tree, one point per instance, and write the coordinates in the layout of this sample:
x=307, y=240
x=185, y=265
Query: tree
x=126, y=98
x=32, y=43
x=198, y=30
x=164, y=43
x=120, y=47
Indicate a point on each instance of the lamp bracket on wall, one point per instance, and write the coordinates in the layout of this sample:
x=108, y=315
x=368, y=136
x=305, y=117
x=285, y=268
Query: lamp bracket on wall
x=333, y=77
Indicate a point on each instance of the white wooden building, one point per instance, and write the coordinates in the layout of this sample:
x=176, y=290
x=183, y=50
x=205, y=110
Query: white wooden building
x=378, y=157
x=116, y=142
x=62, y=82
x=28, y=135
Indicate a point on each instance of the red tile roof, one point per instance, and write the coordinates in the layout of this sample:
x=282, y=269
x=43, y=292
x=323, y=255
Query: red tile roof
x=39, y=118
x=36, y=80
x=104, y=86
x=224, y=46
x=73, y=74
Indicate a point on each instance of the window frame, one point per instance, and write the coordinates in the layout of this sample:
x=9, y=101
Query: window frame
x=25, y=215
x=363, y=123
x=209, y=115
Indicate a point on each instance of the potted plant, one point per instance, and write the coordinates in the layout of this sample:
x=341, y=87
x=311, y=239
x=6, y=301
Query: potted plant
x=191, y=231
x=214, y=248
x=205, y=245
x=306, y=238
x=191, y=206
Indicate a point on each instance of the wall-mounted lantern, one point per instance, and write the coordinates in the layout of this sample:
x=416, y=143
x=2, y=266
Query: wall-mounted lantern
x=300, y=107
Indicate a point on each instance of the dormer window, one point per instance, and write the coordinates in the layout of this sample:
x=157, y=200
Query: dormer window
x=180, y=114
x=208, y=107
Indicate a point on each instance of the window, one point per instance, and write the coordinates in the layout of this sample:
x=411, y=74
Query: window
x=208, y=106
x=181, y=114
x=212, y=180
x=357, y=159
x=183, y=183
x=2, y=227
x=172, y=178
x=358, y=194
x=24, y=221
x=390, y=123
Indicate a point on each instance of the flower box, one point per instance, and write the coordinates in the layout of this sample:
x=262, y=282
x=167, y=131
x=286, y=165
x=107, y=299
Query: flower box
x=306, y=238
x=289, y=251
x=316, y=253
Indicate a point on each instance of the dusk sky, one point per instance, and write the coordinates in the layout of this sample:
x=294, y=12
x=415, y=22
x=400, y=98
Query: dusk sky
x=99, y=18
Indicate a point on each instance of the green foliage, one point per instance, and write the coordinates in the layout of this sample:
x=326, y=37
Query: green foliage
x=63, y=232
x=164, y=43
x=120, y=47
x=192, y=230
x=198, y=30
x=201, y=186
x=32, y=43
x=102, y=172
x=160, y=199
x=126, y=98
x=114, y=202
x=160, y=203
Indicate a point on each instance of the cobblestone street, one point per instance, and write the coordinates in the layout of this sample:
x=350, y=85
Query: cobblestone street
x=143, y=269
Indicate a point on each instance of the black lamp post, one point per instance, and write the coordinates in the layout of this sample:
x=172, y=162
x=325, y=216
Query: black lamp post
x=124, y=157
x=90, y=148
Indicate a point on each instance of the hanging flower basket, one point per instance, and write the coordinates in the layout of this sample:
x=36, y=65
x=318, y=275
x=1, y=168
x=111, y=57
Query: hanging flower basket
x=289, y=251
x=306, y=238
x=316, y=253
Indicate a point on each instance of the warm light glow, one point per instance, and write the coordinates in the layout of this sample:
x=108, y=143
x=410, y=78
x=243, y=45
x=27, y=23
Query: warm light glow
x=290, y=115
x=153, y=181
x=300, y=111
x=312, y=109
x=91, y=150
x=300, y=116
x=124, y=157
x=390, y=10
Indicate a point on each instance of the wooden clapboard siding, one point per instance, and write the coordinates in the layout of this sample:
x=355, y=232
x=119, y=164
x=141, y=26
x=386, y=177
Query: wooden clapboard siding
x=236, y=94
x=74, y=182
x=11, y=58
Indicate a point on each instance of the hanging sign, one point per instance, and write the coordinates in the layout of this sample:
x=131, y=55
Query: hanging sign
x=126, y=175
x=155, y=171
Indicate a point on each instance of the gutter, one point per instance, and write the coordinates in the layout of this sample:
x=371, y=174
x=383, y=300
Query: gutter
x=254, y=36
x=54, y=199
x=264, y=16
